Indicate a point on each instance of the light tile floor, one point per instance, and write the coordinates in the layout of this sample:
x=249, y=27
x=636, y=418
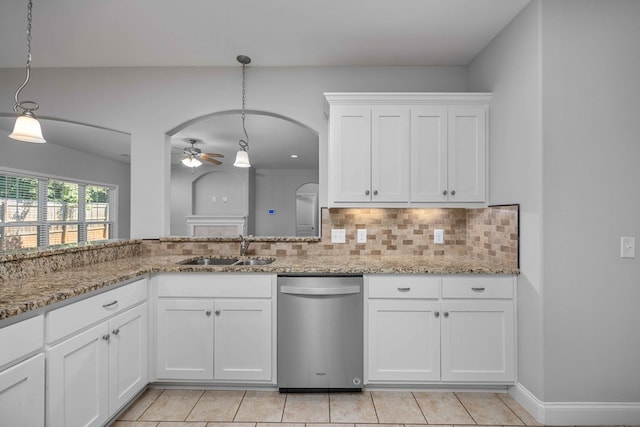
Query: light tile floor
x=237, y=408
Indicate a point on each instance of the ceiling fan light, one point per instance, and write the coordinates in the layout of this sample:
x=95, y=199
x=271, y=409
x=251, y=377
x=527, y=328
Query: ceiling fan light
x=191, y=162
x=27, y=128
x=242, y=160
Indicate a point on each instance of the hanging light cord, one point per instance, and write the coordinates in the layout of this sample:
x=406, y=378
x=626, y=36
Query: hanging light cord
x=244, y=144
x=27, y=106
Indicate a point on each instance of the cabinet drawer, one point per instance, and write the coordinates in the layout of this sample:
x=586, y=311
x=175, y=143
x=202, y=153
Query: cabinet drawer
x=216, y=285
x=477, y=287
x=404, y=286
x=71, y=318
x=24, y=337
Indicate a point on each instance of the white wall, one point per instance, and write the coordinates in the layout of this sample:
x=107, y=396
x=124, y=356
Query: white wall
x=276, y=189
x=565, y=143
x=56, y=160
x=148, y=102
x=510, y=68
x=591, y=117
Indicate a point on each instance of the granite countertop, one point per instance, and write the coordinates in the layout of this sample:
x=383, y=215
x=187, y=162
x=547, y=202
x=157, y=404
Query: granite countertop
x=33, y=294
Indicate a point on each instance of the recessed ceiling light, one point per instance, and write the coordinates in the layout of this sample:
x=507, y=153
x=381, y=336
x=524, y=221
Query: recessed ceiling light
x=294, y=156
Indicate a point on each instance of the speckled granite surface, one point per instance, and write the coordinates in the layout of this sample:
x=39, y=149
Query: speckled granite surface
x=19, y=296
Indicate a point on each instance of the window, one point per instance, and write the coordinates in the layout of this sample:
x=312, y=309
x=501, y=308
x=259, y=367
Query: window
x=38, y=212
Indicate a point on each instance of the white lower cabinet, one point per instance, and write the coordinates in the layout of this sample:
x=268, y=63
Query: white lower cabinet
x=22, y=393
x=404, y=340
x=215, y=327
x=93, y=373
x=430, y=329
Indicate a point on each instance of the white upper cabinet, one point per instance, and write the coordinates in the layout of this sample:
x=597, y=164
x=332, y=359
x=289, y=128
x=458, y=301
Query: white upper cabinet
x=407, y=149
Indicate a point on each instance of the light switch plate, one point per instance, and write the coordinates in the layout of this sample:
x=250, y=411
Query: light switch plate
x=338, y=235
x=627, y=247
x=438, y=236
x=362, y=235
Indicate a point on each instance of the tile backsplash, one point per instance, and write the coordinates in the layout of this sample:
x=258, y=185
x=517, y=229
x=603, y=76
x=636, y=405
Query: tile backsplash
x=486, y=234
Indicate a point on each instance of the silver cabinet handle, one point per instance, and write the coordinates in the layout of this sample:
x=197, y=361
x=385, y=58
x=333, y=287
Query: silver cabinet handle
x=115, y=331
x=446, y=314
x=437, y=314
x=111, y=304
x=367, y=193
x=106, y=337
x=208, y=312
x=478, y=289
x=375, y=192
x=404, y=289
x=444, y=193
x=453, y=192
x=217, y=312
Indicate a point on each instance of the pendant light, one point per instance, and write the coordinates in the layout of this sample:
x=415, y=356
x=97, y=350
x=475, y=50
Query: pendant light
x=27, y=127
x=242, y=157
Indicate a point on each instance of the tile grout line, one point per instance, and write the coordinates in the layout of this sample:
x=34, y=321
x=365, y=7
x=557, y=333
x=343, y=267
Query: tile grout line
x=465, y=408
x=420, y=408
x=373, y=402
x=147, y=408
x=284, y=407
x=233, y=419
x=514, y=412
x=194, y=405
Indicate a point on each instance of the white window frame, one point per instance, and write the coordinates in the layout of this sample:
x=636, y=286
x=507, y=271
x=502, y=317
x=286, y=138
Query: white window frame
x=42, y=224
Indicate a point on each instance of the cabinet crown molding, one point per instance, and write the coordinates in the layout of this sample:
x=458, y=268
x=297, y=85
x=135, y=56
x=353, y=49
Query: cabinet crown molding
x=413, y=98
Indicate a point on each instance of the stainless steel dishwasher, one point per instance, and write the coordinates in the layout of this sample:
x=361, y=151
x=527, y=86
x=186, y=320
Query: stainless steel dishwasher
x=320, y=342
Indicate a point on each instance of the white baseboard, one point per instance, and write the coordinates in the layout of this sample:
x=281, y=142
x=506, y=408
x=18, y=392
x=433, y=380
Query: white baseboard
x=577, y=413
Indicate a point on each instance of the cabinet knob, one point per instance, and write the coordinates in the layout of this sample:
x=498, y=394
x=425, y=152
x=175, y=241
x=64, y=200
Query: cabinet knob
x=446, y=314
x=444, y=193
x=375, y=192
x=208, y=312
x=106, y=337
x=437, y=314
x=453, y=192
x=217, y=312
x=115, y=331
x=367, y=193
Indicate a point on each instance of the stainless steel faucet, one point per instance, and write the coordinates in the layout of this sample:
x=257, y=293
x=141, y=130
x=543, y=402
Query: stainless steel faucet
x=244, y=245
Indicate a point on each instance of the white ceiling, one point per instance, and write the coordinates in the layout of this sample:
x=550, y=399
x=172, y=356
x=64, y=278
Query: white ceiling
x=92, y=33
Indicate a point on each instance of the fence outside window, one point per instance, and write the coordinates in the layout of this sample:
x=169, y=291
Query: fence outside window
x=40, y=211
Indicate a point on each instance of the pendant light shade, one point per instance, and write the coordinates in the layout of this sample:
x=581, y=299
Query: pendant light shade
x=27, y=128
x=242, y=159
x=191, y=162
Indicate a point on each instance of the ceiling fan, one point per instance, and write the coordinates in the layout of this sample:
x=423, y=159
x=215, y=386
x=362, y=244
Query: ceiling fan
x=193, y=156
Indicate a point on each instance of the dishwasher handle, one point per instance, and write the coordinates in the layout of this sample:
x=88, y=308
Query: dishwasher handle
x=310, y=290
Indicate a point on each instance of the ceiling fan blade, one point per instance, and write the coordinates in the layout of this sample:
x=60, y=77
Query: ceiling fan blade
x=214, y=161
x=212, y=154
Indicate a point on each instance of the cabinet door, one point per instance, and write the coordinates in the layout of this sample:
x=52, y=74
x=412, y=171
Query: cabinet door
x=404, y=340
x=184, y=339
x=350, y=154
x=243, y=340
x=429, y=154
x=478, y=341
x=467, y=154
x=390, y=154
x=22, y=394
x=77, y=380
x=127, y=356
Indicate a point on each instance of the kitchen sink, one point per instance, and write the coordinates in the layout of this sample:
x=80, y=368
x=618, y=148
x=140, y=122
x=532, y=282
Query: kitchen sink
x=228, y=261
x=250, y=261
x=210, y=261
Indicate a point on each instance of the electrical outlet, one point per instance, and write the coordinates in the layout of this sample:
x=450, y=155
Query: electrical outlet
x=338, y=235
x=627, y=247
x=362, y=235
x=438, y=236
